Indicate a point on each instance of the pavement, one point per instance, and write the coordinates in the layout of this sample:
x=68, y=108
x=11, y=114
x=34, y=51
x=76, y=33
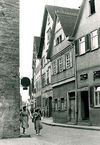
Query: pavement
x=49, y=121
x=31, y=139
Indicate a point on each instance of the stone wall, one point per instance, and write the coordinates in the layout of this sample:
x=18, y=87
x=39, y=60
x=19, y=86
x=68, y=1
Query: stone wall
x=9, y=69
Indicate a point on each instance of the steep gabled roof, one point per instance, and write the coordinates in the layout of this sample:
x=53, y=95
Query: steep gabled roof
x=67, y=21
x=52, y=10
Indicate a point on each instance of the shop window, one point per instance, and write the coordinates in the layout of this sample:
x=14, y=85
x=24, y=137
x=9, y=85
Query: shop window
x=94, y=40
x=92, y=6
x=97, y=96
x=82, y=45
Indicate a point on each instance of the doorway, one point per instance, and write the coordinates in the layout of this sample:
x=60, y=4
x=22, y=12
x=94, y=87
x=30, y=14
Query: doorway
x=50, y=107
x=72, y=106
x=84, y=105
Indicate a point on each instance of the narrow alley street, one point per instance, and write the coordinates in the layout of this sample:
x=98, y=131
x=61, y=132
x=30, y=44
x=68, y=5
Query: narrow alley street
x=53, y=135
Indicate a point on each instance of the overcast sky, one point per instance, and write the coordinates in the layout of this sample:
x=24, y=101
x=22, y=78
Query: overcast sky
x=31, y=16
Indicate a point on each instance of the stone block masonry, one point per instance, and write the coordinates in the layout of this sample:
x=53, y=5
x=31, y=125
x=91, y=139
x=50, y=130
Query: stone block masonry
x=9, y=69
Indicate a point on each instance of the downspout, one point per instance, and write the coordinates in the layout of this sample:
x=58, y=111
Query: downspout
x=76, y=87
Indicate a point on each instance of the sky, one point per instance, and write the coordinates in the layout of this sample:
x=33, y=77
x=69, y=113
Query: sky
x=31, y=16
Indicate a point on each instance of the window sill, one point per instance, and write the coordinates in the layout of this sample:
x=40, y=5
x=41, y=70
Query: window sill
x=92, y=14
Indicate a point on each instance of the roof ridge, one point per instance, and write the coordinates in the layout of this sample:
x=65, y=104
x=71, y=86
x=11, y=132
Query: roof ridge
x=62, y=7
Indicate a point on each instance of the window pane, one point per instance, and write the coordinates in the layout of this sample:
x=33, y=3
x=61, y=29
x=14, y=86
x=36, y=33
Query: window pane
x=95, y=43
x=68, y=60
x=82, y=48
x=82, y=45
x=94, y=40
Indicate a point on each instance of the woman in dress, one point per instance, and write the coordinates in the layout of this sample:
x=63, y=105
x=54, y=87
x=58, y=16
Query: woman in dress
x=24, y=115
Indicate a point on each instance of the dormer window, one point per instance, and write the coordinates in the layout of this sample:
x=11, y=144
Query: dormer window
x=92, y=6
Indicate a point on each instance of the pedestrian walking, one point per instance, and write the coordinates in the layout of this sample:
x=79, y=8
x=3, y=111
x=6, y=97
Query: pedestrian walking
x=36, y=118
x=24, y=118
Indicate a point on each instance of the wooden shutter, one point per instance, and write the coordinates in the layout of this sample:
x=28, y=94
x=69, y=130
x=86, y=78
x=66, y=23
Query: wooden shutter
x=77, y=47
x=99, y=37
x=91, y=96
x=87, y=42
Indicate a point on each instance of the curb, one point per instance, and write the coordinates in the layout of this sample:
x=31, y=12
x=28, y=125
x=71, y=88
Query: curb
x=73, y=126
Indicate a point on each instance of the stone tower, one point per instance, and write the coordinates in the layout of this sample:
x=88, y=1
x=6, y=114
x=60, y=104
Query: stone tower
x=9, y=69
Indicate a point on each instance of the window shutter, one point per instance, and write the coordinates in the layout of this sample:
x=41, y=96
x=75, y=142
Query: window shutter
x=87, y=42
x=77, y=47
x=91, y=96
x=63, y=62
x=99, y=37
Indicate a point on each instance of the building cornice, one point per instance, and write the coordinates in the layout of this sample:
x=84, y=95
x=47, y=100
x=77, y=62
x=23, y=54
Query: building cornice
x=63, y=82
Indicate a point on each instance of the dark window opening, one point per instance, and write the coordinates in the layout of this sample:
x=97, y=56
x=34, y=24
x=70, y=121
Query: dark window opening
x=92, y=6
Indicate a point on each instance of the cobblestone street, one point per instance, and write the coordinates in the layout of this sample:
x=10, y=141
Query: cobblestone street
x=53, y=135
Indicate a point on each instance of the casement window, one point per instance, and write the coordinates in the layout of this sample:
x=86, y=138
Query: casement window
x=82, y=45
x=60, y=64
x=92, y=6
x=56, y=104
x=94, y=40
x=97, y=96
x=59, y=39
x=68, y=60
x=62, y=103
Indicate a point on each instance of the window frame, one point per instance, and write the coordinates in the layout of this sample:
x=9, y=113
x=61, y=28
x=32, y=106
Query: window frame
x=68, y=59
x=59, y=39
x=60, y=64
x=93, y=37
x=81, y=42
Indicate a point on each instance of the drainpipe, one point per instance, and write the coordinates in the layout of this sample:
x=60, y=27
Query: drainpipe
x=76, y=94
